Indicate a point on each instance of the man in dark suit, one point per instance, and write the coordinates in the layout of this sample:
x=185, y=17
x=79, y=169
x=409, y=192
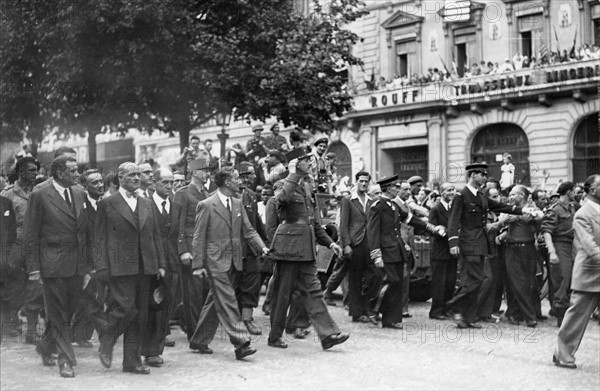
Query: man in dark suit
x=8, y=236
x=467, y=236
x=221, y=224
x=168, y=213
x=586, y=276
x=294, y=251
x=90, y=313
x=354, y=212
x=388, y=249
x=443, y=265
x=194, y=290
x=249, y=288
x=129, y=253
x=56, y=235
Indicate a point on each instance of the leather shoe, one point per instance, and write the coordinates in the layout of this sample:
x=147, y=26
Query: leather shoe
x=84, y=344
x=137, y=370
x=334, y=339
x=475, y=325
x=407, y=315
x=361, y=319
x=278, y=343
x=532, y=323
x=461, y=323
x=299, y=333
x=47, y=359
x=202, y=349
x=154, y=361
x=563, y=364
x=169, y=342
x=541, y=317
x=512, y=320
x=397, y=326
x=437, y=317
x=244, y=351
x=106, y=359
x=330, y=302
x=253, y=327
x=66, y=370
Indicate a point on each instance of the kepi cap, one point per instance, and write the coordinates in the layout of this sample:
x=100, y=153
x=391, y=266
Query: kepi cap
x=414, y=179
x=478, y=167
x=387, y=182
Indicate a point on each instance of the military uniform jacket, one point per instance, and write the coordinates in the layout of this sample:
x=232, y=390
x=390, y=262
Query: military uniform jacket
x=8, y=228
x=188, y=197
x=248, y=199
x=558, y=222
x=384, y=230
x=469, y=216
x=586, y=268
x=300, y=230
x=19, y=198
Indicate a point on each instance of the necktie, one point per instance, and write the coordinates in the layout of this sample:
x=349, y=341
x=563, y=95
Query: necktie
x=228, y=206
x=67, y=198
x=164, y=209
x=145, y=194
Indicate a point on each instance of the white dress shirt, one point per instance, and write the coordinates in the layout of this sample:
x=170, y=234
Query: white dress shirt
x=130, y=199
x=158, y=200
x=224, y=199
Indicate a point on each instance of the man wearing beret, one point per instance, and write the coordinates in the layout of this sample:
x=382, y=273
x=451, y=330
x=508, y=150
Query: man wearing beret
x=193, y=288
x=294, y=250
x=467, y=237
x=389, y=251
x=276, y=141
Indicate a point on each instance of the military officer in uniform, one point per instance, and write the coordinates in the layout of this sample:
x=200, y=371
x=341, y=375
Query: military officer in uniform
x=294, y=249
x=389, y=251
x=467, y=236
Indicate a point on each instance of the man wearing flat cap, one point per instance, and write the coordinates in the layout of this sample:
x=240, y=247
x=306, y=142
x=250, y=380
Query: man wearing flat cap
x=194, y=289
x=389, y=252
x=467, y=237
x=320, y=169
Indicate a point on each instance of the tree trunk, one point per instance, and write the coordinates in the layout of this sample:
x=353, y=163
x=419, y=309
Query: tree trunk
x=184, y=136
x=92, y=150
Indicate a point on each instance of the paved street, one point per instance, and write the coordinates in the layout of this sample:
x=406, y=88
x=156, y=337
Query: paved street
x=426, y=355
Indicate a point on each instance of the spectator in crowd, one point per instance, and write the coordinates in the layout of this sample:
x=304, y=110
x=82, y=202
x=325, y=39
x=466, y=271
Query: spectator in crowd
x=191, y=152
x=272, y=166
x=276, y=140
x=508, y=172
x=146, y=185
x=235, y=155
x=255, y=147
x=178, y=181
x=111, y=184
x=208, y=146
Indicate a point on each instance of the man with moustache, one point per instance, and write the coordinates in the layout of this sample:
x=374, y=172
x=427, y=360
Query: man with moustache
x=221, y=226
x=443, y=265
x=56, y=236
x=130, y=252
x=193, y=288
x=248, y=291
x=169, y=215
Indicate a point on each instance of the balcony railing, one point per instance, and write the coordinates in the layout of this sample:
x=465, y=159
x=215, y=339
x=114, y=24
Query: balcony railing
x=483, y=88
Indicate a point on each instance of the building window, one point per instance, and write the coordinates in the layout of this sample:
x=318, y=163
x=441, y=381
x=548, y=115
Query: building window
x=462, y=59
x=493, y=141
x=526, y=44
x=586, y=149
x=531, y=31
x=410, y=161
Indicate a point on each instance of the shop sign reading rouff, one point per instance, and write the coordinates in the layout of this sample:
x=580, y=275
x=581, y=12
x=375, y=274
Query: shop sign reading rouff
x=482, y=87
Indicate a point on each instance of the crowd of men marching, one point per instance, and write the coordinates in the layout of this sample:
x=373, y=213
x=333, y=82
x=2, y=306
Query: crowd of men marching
x=136, y=251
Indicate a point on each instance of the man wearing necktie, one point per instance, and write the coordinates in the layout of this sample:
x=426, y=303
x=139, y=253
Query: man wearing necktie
x=193, y=289
x=57, y=237
x=221, y=226
x=443, y=265
x=128, y=252
x=146, y=181
x=168, y=212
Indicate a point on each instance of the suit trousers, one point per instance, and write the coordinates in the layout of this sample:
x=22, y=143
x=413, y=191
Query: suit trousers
x=485, y=301
x=157, y=327
x=194, y=291
x=364, y=280
x=443, y=280
x=127, y=314
x=471, y=278
x=560, y=274
x=221, y=307
x=301, y=275
x=89, y=315
x=574, y=324
x=391, y=293
x=248, y=291
x=297, y=316
x=521, y=263
x=337, y=277
x=62, y=296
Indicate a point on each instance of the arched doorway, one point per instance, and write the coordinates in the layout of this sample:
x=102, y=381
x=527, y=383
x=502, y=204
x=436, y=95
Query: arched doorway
x=344, y=159
x=492, y=141
x=586, y=149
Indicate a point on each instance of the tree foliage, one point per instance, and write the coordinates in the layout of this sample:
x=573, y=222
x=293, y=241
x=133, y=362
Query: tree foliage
x=97, y=65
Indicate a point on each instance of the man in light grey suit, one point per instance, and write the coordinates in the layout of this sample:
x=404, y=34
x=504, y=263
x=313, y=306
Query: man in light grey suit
x=221, y=221
x=585, y=280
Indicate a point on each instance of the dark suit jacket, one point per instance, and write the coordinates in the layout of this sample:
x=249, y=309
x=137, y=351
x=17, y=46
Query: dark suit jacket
x=188, y=197
x=272, y=219
x=384, y=230
x=353, y=221
x=438, y=215
x=248, y=199
x=8, y=228
x=122, y=246
x=56, y=240
x=218, y=235
x=169, y=233
x=469, y=216
x=297, y=236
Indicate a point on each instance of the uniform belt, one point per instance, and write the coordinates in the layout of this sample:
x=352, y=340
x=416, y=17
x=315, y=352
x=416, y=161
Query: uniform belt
x=522, y=244
x=294, y=221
